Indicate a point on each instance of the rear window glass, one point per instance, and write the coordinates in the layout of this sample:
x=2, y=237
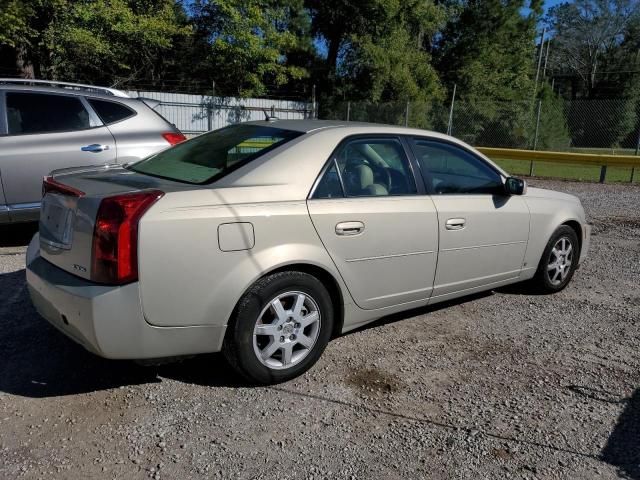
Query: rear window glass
x=210, y=156
x=29, y=113
x=110, y=112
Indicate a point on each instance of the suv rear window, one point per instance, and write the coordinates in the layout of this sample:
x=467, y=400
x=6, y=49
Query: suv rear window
x=211, y=156
x=110, y=112
x=44, y=113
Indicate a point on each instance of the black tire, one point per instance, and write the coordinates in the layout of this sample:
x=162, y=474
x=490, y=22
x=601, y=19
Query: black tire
x=238, y=345
x=542, y=280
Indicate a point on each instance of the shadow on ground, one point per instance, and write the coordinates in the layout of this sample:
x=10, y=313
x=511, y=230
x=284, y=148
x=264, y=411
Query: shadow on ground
x=38, y=361
x=623, y=446
x=17, y=235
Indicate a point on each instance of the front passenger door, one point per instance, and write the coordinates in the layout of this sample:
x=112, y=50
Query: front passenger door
x=483, y=231
x=380, y=231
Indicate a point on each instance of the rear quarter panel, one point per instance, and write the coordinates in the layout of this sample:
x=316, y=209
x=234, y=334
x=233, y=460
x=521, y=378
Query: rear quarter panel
x=139, y=136
x=186, y=279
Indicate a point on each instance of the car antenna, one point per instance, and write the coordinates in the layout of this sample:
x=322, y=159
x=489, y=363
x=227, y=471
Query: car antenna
x=269, y=118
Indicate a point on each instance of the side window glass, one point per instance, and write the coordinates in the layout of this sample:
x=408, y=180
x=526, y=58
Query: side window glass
x=43, y=113
x=452, y=170
x=110, y=112
x=329, y=185
x=375, y=167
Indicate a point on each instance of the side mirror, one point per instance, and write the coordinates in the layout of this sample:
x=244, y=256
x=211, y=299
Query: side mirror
x=515, y=186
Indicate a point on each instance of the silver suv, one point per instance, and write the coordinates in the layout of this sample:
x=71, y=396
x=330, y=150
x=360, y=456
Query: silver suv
x=46, y=126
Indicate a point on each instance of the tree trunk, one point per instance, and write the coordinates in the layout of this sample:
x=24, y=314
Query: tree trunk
x=332, y=58
x=23, y=63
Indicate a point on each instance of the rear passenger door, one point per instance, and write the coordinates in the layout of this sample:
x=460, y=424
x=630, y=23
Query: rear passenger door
x=45, y=132
x=483, y=231
x=377, y=224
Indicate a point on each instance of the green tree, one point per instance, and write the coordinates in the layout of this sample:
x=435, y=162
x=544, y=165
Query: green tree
x=246, y=45
x=587, y=40
x=487, y=49
x=553, y=131
x=99, y=41
x=595, y=45
x=377, y=51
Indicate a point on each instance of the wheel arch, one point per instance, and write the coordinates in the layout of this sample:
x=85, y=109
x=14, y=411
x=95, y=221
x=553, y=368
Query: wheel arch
x=577, y=228
x=327, y=279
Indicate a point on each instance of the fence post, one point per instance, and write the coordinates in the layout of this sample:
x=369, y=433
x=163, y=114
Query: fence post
x=314, y=113
x=633, y=169
x=406, y=116
x=273, y=111
x=603, y=173
x=211, y=106
x=535, y=138
x=348, y=110
x=453, y=100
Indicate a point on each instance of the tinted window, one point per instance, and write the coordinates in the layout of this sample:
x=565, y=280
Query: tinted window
x=375, y=167
x=329, y=186
x=110, y=112
x=41, y=113
x=211, y=156
x=452, y=170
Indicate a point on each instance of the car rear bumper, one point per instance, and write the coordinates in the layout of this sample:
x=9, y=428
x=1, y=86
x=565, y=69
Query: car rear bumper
x=108, y=320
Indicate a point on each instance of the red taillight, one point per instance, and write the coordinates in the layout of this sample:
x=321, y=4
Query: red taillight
x=174, y=137
x=50, y=185
x=115, y=236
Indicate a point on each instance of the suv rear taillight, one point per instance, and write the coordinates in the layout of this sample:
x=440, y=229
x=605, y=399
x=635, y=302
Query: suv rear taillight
x=50, y=185
x=114, y=256
x=174, y=137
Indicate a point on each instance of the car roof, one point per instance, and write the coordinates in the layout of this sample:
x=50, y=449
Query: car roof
x=312, y=125
x=98, y=92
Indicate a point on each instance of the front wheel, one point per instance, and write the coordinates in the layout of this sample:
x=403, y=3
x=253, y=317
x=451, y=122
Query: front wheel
x=280, y=328
x=559, y=261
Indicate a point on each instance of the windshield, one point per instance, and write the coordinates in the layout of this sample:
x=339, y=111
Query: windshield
x=209, y=157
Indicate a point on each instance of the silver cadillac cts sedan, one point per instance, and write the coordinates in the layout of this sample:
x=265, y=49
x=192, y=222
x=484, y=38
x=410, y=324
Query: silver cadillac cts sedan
x=263, y=240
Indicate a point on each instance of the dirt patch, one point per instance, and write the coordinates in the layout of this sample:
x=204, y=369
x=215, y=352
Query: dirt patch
x=502, y=453
x=374, y=380
x=615, y=223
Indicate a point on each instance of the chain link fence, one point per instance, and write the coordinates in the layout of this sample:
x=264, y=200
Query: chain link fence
x=547, y=124
x=601, y=126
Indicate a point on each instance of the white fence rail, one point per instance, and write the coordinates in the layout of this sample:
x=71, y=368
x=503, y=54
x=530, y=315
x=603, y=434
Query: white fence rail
x=195, y=114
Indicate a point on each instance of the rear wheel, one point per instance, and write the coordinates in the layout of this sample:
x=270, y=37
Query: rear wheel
x=559, y=261
x=280, y=327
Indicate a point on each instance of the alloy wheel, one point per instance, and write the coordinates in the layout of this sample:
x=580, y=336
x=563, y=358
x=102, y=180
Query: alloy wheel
x=560, y=261
x=286, y=330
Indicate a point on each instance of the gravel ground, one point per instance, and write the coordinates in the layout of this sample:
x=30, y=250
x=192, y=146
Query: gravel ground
x=500, y=385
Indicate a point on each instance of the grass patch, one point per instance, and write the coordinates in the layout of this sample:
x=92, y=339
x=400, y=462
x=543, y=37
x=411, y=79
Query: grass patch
x=568, y=171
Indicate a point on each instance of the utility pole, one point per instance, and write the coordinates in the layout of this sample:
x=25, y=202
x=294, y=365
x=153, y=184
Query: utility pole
x=535, y=87
x=535, y=138
x=546, y=59
x=453, y=99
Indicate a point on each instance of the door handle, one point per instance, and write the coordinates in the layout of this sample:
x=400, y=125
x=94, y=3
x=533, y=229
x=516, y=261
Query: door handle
x=349, y=228
x=94, y=147
x=455, y=224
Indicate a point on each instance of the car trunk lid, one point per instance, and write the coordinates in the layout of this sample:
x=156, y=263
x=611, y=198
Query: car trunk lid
x=71, y=202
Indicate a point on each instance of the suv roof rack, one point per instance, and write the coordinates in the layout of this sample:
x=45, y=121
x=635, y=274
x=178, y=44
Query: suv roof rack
x=67, y=85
